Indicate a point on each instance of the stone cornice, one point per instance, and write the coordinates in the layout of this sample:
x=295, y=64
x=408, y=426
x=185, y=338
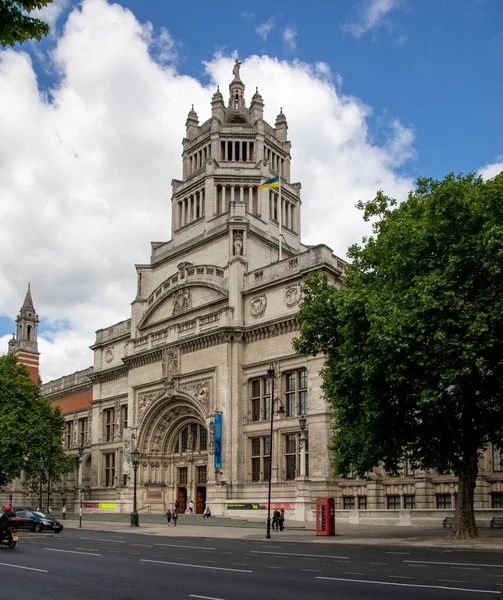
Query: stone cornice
x=109, y=375
x=271, y=329
x=145, y=358
x=69, y=392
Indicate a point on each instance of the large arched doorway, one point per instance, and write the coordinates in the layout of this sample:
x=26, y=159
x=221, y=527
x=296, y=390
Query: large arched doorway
x=173, y=442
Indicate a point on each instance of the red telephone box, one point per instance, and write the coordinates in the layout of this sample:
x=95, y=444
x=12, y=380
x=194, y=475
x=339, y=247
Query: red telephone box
x=325, y=516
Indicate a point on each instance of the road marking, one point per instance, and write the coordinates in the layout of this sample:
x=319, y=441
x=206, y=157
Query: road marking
x=400, y=577
x=433, y=562
x=204, y=597
x=295, y=554
x=163, y=562
x=453, y=580
x=352, y=573
x=397, y=552
x=26, y=568
x=72, y=552
x=414, y=585
x=181, y=546
x=271, y=567
x=312, y=570
x=377, y=563
x=103, y=540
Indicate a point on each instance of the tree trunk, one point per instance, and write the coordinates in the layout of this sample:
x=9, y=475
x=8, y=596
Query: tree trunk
x=463, y=524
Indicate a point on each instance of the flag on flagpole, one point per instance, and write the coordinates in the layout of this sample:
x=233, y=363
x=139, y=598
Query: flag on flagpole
x=270, y=183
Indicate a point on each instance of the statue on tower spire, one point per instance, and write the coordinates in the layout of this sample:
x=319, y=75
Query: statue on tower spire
x=235, y=70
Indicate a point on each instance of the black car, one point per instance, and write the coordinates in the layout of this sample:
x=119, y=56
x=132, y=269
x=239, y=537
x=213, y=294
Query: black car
x=34, y=520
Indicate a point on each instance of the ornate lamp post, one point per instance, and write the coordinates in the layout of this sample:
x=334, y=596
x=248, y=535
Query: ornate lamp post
x=135, y=461
x=302, y=444
x=271, y=374
x=79, y=483
x=41, y=464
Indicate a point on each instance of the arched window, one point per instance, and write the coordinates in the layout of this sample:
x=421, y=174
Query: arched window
x=28, y=333
x=192, y=437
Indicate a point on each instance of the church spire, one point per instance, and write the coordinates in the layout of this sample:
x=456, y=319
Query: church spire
x=28, y=301
x=24, y=345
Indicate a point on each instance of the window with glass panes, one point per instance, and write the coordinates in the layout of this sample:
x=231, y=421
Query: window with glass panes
x=497, y=459
x=444, y=501
x=348, y=502
x=409, y=501
x=201, y=474
x=290, y=456
x=260, y=451
x=82, y=432
x=124, y=417
x=192, y=437
x=108, y=419
x=362, y=502
x=109, y=468
x=260, y=398
x=393, y=502
x=497, y=500
x=296, y=393
x=69, y=429
x=182, y=475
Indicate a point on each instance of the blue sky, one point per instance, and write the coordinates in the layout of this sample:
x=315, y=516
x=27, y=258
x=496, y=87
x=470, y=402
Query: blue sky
x=377, y=93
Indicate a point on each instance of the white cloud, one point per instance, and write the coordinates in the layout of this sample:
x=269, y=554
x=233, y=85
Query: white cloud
x=290, y=37
x=51, y=13
x=246, y=14
x=373, y=14
x=85, y=172
x=492, y=169
x=265, y=29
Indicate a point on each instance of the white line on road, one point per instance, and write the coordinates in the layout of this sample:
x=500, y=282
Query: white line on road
x=73, y=552
x=104, y=540
x=295, y=554
x=180, y=546
x=432, y=562
x=204, y=597
x=414, y=585
x=397, y=552
x=163, y=562
x=26, y=568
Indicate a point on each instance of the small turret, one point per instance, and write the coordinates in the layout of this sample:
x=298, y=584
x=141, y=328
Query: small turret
x=236, y=111
x=217, y=105
x=191, y=124
x=256, y=107
x=281, y=126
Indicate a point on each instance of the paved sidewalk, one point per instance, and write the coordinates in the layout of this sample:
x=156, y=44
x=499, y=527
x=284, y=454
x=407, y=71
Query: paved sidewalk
x=357, y=535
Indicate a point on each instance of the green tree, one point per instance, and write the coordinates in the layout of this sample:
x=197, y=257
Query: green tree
x=414, y=337
x=16, y=26
x=31, y=430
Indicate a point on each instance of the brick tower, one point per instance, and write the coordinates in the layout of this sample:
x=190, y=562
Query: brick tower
x=24, y=344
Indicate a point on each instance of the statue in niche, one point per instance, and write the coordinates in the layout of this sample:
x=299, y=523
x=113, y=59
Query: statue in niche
x=238, y=243
x=235, y=70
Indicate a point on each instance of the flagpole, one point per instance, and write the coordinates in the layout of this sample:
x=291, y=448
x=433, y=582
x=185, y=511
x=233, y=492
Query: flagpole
x=280, y=220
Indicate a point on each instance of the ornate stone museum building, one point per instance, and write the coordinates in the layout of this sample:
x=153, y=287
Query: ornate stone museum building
x=185, y=379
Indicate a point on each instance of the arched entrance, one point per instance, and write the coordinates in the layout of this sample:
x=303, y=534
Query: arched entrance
x=173, y=442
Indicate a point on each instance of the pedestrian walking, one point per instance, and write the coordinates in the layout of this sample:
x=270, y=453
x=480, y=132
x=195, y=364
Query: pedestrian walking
x=63, y=512
x=168, y=516
x=275, y=520
x=191, y=507
x=281, y=519
x=207, y=512
x=174, y=517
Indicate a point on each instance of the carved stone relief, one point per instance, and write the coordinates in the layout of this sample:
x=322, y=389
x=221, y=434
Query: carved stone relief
x=182, y=301
x=117, y=417
x=109, y=354
x=89, y=426
x=258, y=306
x=74, y=433
x=170, y=368
x=292, y=295
x=144, y=400
x=200, y=390
x=127, y=348
x=237, y=243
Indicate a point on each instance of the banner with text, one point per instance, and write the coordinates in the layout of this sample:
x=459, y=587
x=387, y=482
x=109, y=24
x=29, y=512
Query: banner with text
x=218, y=442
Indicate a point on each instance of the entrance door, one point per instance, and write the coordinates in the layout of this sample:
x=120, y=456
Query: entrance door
x=200, y=500
x=182, y=500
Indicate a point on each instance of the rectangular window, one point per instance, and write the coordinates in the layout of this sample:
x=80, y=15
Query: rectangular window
x=185, y=439
x=291, y=456
x=69, y=430
x=409, y=501
x=260, y=398
x=201, y=474
x=203, y=439
x=109, y=469
x=444, y=501
x=362, y=502
x=296, y=398
x=497, y=459
x=82, y=432
x=109, y=424
x=497, y=500
x=266, y=449
x=393, y=502
x=348, y=502
x=182, y=475
x=260, y=456
x=124, y=417
x=408, y=469
x=255, y=459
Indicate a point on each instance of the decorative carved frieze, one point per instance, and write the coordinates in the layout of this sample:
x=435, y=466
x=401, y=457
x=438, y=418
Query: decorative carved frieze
x=200, y=390
x=292, y=295
x=145, y=400
x=182, y=300
x=258, y=305
x=170, y=368
x=109, y=354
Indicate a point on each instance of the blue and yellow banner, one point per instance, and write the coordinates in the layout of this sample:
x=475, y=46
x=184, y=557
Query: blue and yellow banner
x=270, y=183
x=218, y=441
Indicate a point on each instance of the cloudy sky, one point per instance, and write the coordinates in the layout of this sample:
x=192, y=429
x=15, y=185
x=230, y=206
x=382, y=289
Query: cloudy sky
x=376, y=93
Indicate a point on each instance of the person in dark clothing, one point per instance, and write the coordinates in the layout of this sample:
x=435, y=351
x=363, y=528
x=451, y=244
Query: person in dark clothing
x=8, y=513
x=168, y=516
x=281, y=520
x=275, y=520
x=174, y=517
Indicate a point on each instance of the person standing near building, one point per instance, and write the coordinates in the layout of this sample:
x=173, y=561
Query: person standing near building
x=281, y=520
x=275, y=520
x=168, y=516
x=191, y=507
x=174, y=517
x=63, y=512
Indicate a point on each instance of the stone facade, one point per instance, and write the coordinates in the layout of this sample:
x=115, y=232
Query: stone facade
x=214, y=310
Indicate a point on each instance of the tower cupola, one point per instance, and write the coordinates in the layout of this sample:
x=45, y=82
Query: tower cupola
x=25, y=344
x=191, y=124
x=281, y=126
x=256, y=107
x=236, y=111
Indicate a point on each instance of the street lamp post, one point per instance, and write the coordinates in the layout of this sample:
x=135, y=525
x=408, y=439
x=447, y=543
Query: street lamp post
x=79, y=483
x=135, y=461
x=271, y=374
x=49, y=464
x=302, y=444
x=40, y=499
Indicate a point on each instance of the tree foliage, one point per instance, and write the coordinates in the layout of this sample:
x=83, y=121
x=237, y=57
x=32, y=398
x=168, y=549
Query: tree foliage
x=31, y=430
x=414, y=338
x=16, y=26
